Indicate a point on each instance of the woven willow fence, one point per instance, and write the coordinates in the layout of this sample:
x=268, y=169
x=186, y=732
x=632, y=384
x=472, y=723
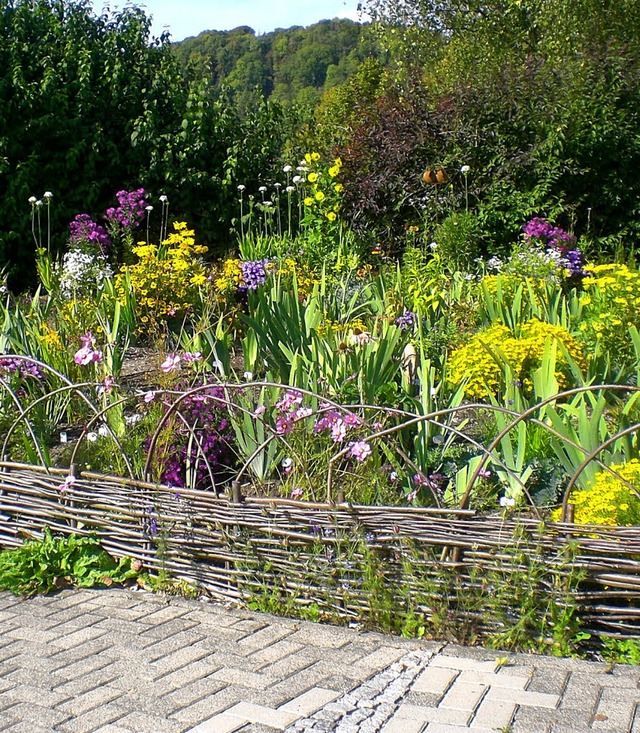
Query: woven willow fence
x=317, y=555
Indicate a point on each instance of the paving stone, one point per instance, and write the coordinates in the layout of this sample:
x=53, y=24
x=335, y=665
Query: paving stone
x=494, y=714
x=460, y=663
x=87, y=722
x=551, y=681
x=90, y=700
x=616, y=709
x=463, y=696
x=435, y=680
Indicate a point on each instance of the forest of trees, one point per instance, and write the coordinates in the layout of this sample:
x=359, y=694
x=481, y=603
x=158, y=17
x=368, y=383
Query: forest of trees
x=289, y=65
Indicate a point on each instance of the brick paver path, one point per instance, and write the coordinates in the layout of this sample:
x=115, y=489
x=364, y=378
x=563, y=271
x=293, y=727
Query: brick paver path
x=124, y=661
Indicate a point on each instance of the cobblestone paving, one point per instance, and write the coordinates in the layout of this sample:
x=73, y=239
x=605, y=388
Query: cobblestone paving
x=131, y=662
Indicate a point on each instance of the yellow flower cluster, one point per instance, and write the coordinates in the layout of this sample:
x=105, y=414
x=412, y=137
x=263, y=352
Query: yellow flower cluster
x=288, y=268
x=475, y=363
x=611, y=304
x=165, y=279
x=230, y=276
x=341, y=330
x=322, y=201
x=607, y=500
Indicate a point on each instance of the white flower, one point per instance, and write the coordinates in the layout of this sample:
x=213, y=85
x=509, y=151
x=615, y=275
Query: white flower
x=361, y=338
x=268, y=203
x=290, y=189
x=148, y=208
x=278, y=185
x=241, y=187
x=507, y=501
x=248, y=376
x=262, y=189
x=433, y=245
x=164, y=199
x=92, y=437
x=47, y=195
x=287, y=169
x=297, y=179
x=103, y=431
x=465, y=169
x=39, y=203
x=32, y=199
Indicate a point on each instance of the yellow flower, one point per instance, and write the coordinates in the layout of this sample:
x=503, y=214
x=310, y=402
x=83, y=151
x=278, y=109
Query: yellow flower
x=308, y=201
x=312, y=177
x=333, y=171
x=338, y=188
x=331, y=216
x=315, y=157
x=319, y=196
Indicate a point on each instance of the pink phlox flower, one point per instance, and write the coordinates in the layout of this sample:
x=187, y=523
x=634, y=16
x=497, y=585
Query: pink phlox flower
x=260, y=410
x=190, y=357
x=411, y=496
x=360, y=450
x=67, y=483
x=352, y=420
x=108, y=382
x=149, y=396
x=326, y=422
x=289, y=401
x=171, y=363
x=484, y=473
x=296, y=493
x=87, y=354
x=301, y=413
x=283, y=425
x=338, y=431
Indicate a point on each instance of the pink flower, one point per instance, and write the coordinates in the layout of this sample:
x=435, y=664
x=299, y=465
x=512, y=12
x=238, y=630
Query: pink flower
x=260, y=410
x=108, y=383
x=190, y=357
x=149, y=396
x=352, y=420
x=283, y=425
x=302, y=412
x=87, y=354
x=360, y=450
x=338, y=431
x=67, y=484
x=296, y=493
x=170, y=363
x=289, y=401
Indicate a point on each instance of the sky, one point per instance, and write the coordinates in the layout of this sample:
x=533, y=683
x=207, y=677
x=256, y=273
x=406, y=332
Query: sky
x=184, y=18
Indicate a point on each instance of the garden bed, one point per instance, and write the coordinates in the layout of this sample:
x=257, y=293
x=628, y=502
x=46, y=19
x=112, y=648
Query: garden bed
x=412, y=570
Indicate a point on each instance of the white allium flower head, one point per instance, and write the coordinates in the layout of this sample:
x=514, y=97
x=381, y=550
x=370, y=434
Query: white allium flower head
x=32, y=199
x=290, y=189
x=163, y=198
x=47, y=195
x=297, y=179
x=268, y=203
x=148, y=208
x=241, y=187
x=465, y=169
x=262, y=189
x=278, y=185
x=287, y=169
x=39, y=202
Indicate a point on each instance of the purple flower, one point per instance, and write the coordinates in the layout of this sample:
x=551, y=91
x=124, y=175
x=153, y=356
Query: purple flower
x=290, y=401
x=66, y=484
x=21, y=367
x=360, y=450
x=130, y=210
x=254, y=274
x=406, y=320
x=84, y=229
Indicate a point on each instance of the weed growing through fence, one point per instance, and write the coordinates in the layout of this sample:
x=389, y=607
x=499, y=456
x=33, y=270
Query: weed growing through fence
x=621, y=651
x=523, y=600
